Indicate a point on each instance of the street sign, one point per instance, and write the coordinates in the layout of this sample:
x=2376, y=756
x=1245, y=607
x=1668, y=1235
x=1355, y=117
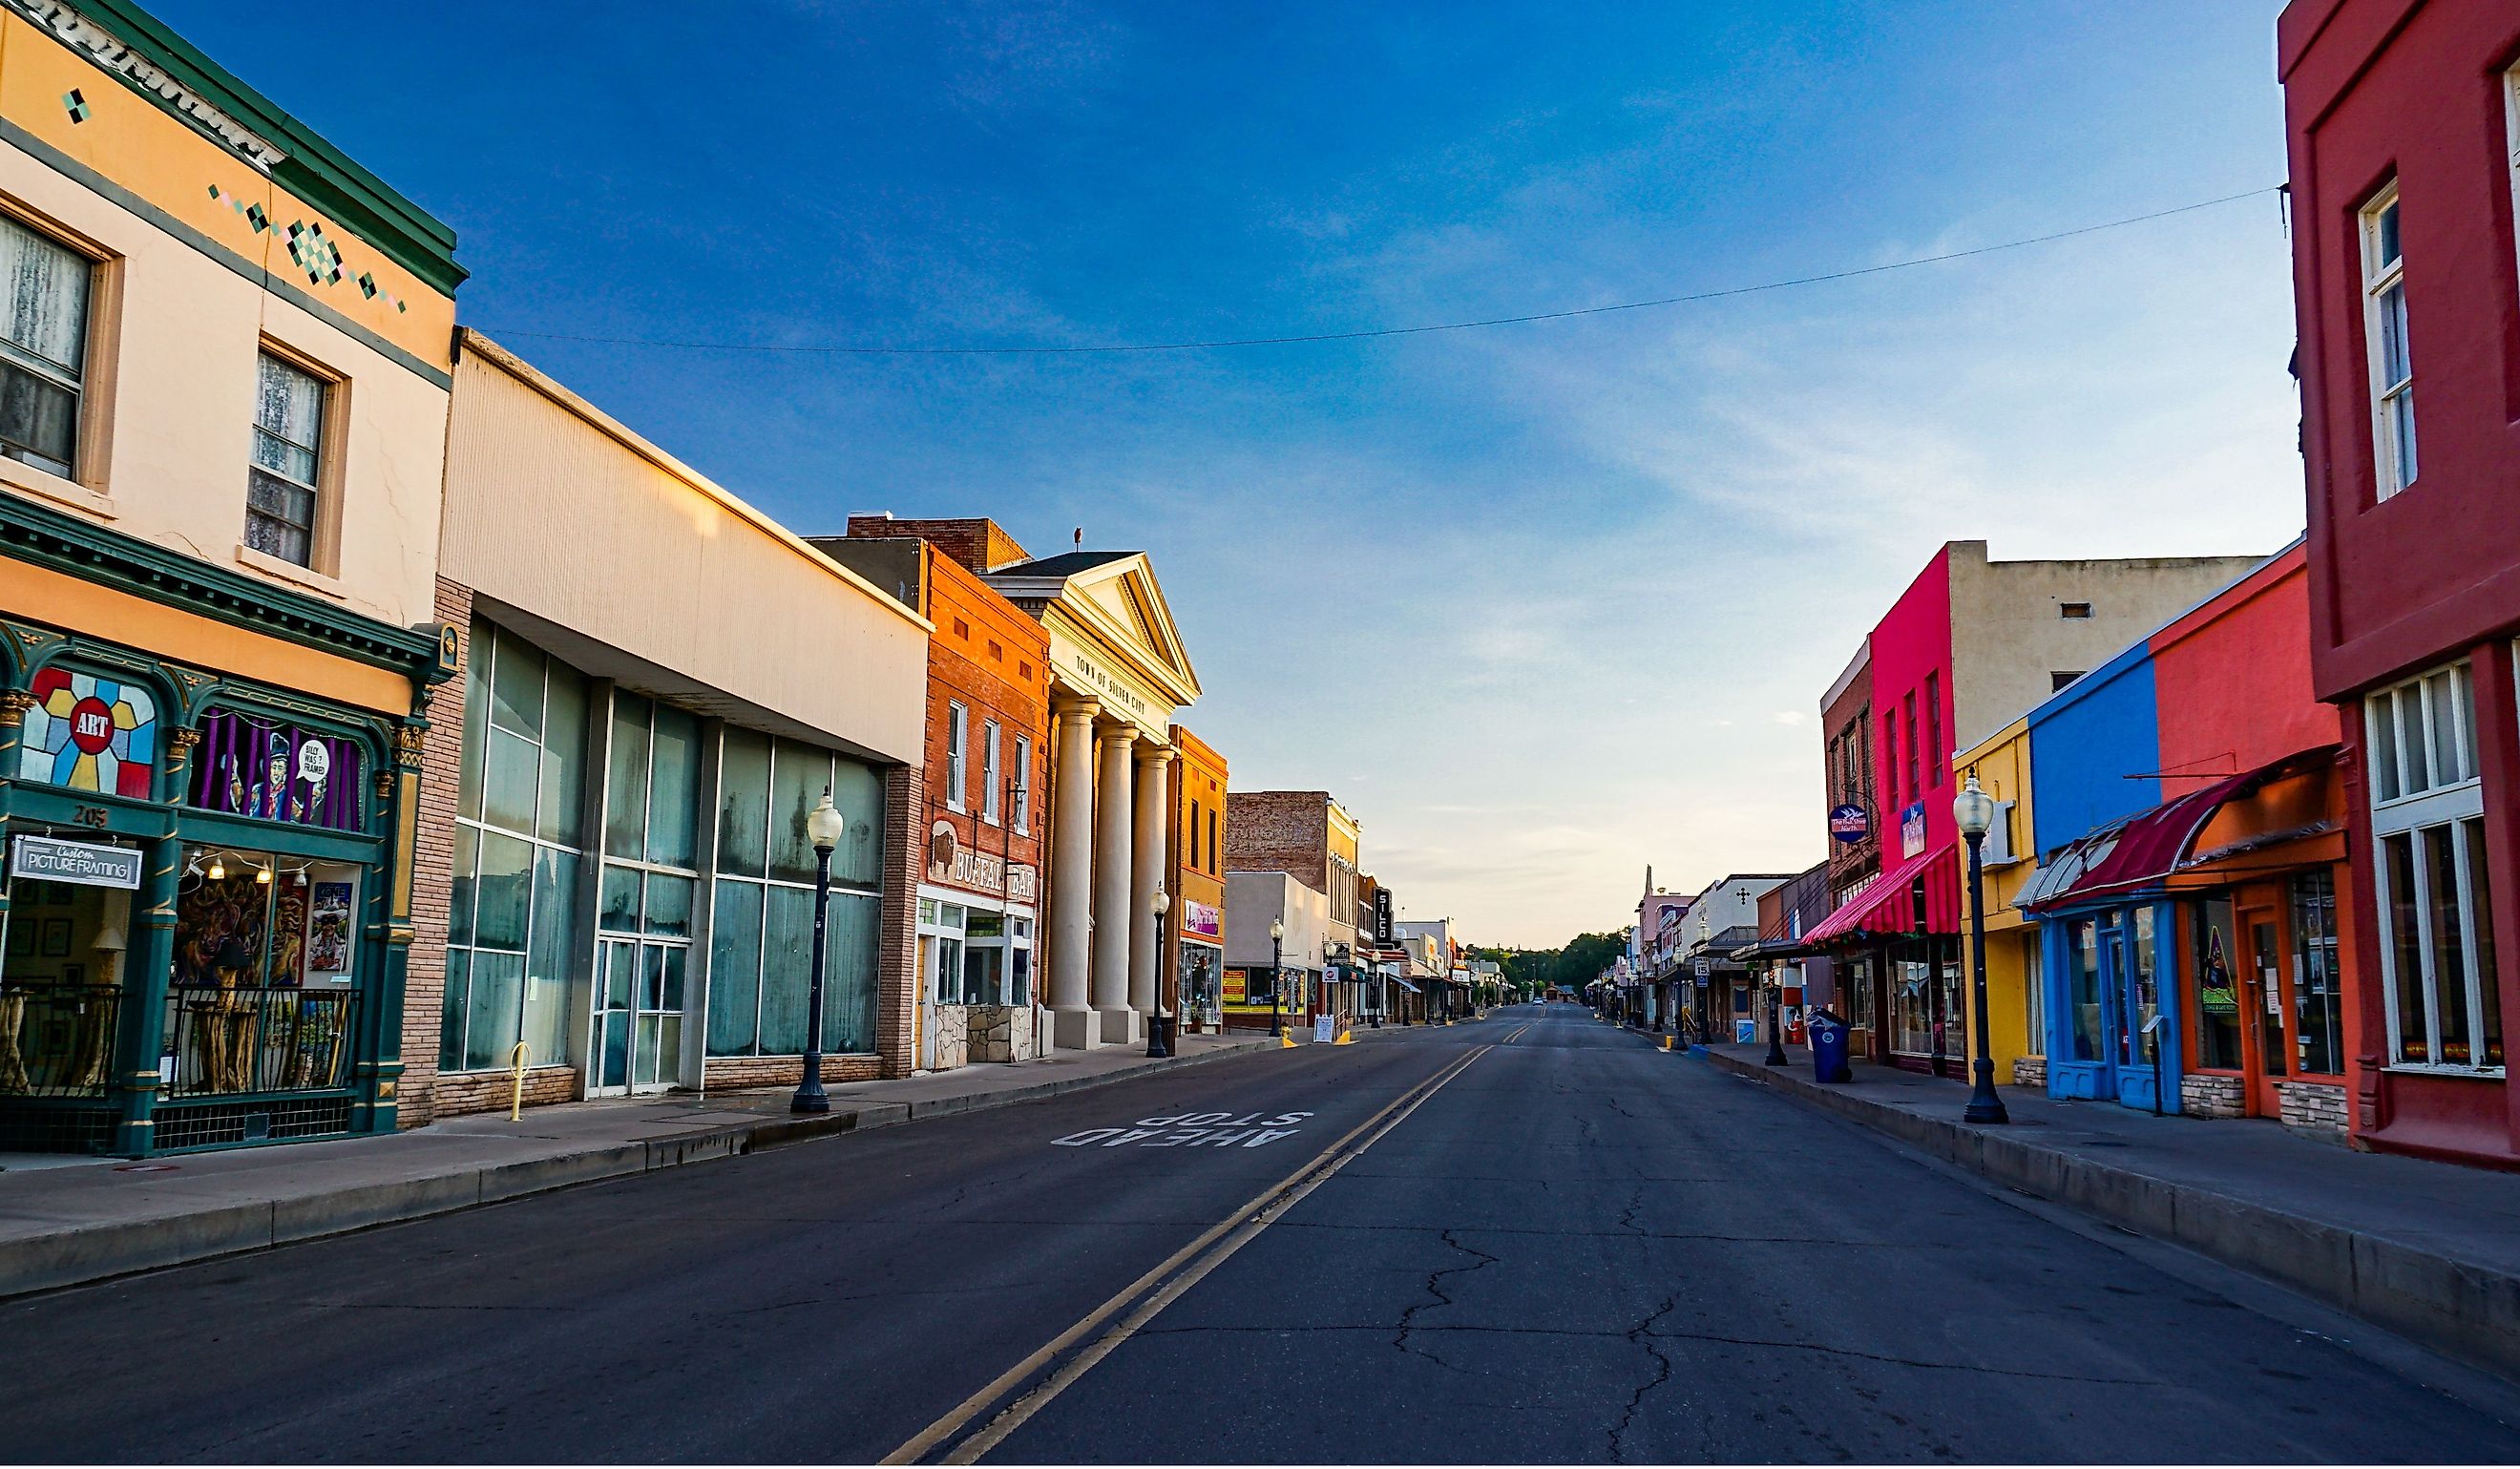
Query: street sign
x=83, y=863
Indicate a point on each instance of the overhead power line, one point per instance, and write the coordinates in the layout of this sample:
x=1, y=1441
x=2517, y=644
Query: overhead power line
x=851, y=349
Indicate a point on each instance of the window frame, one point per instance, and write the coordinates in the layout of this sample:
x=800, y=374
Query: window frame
x=958, y=741
x=2411, y=815
x=1022, y=813
x=991, y=740
x=94, y=391
x=2378, y=279
x=1937, y=759
x=332, y=431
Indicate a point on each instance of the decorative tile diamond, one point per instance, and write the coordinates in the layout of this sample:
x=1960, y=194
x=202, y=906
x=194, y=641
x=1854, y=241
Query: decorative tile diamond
x=76, y=105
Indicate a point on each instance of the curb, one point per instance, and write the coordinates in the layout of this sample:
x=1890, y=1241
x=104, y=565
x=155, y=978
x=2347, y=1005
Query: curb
x=2468, y=1309
x=99, y=1252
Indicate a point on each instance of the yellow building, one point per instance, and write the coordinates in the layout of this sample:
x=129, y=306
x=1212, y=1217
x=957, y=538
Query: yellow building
x=2017, y=1027
x=1199, y=882
x=224, y=383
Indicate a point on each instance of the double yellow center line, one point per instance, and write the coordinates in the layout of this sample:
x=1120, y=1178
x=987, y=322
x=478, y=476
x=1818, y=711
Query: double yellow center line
x=1150, y=1294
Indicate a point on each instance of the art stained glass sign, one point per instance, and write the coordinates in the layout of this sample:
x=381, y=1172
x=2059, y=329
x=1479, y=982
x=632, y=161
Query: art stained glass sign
x=90, y=732
x=277, y=772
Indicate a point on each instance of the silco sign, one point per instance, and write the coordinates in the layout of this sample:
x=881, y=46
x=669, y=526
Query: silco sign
x=949, y=861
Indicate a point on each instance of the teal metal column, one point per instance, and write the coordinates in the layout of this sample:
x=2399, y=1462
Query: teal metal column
x=141, y=1029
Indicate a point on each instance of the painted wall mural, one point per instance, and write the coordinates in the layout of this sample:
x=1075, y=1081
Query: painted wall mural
x=277, y=772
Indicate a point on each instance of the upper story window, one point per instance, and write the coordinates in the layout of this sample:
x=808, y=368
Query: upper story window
x=1934, y=752
x=1023, y=782
x=2384, y=323
x=989, y=772
x=2441, y=976
x=43, y=347
x=1907, y=746
x=958, y=742
x=281, y=488
x=2422, y=736
x=1890, y=750
x=2074, y=610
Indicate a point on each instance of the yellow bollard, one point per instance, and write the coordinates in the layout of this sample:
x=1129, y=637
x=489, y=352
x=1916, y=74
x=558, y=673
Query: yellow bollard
x=516, y=1102
x=1666, y=1042
x=1285, y=1040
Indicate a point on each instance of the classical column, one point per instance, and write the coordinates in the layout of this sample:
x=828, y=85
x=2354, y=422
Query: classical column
x=1071, y=880
x=1114, y=925
x=1147, y=950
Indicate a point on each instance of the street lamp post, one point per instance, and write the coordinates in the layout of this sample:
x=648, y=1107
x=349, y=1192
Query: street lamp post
x=1159, y=1027
x=1276, y=979
x=823, y=828
x=1974, y=810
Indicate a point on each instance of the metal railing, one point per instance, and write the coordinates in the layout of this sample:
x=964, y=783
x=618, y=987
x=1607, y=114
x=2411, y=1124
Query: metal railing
x=56, y=1038
x=225, y=1040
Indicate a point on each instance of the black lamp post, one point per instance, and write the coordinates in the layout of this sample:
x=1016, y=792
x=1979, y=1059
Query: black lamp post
x=824, y=826
x=1974, y=811
x=1159, y=1027
x=1276, y=979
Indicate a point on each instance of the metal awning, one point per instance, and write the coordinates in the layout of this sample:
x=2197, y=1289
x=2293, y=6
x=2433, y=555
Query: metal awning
x=2144, y=850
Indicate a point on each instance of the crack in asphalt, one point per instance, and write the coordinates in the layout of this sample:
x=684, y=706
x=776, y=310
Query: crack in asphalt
x=1434, y=1287
x=1683, y=1235
x=1719, y=1339
x=1642, y=1334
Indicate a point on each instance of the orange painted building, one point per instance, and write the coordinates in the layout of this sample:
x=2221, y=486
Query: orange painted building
x=1197, y=960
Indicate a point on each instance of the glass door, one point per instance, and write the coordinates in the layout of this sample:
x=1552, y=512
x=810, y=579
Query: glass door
x=2267, y=1008
x=638, y=1020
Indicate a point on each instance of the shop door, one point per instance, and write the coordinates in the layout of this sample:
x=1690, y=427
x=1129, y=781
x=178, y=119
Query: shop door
x=638, y=1041
x=2267, y=1006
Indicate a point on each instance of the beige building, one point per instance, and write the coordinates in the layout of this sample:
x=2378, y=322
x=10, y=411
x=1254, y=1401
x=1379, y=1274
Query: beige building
x=224, y=372
x=659, y=683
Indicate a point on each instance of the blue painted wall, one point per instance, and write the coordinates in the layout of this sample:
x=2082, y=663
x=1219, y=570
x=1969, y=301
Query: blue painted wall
x=2086, y=742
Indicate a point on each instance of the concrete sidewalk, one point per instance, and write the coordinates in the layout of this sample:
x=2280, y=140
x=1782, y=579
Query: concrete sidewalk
x=2428, y=1249
x=69, y=1219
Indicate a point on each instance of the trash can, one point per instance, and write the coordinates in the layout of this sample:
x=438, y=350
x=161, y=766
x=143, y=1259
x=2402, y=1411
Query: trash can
x=1829, y=1047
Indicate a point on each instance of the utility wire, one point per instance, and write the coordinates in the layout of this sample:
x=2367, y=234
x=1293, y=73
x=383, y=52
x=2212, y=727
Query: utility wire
x=1368, y=333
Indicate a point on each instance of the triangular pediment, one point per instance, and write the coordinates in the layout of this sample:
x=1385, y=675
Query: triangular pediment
x=1114, y=597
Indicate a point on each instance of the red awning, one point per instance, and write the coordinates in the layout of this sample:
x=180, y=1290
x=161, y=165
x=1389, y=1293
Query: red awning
x=2146, y=848
x=1888, y=904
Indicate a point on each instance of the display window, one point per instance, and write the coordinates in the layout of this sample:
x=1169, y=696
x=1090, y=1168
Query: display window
x=260, y=998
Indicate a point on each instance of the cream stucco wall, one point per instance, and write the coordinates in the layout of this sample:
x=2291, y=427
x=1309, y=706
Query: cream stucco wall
x=624, y=560
x=2009, y=635
x=175, y=336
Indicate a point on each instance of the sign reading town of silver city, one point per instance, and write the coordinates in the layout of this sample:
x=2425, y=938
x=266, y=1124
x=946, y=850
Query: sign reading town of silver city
x=81, y=863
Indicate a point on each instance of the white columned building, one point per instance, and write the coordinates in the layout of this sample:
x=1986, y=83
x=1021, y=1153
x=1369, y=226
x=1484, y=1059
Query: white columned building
x=1118, y=678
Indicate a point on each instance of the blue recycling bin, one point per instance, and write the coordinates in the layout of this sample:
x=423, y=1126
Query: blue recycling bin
x=1829, y=1047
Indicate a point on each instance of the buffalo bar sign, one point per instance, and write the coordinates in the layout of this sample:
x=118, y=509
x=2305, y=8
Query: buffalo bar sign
x=75, y=861
x=949, y=861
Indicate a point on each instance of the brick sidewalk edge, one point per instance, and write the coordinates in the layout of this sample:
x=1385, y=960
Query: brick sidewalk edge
x=2468, y=1309
x=83, y=1254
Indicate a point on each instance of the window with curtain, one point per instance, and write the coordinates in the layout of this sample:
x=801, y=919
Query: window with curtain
x=44, y=290
x=280, y=487
x=2384, y=320
x=1023, y=783
x=763, y=903
x=989, y=772
x=512, y=946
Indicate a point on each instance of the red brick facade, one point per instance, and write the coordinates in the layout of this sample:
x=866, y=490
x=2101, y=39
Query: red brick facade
x=989, y=657
x=975, y=545
x=424, y=1000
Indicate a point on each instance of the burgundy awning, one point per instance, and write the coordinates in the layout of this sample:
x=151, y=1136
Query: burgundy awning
x=1889, y=904
x=2144, y=849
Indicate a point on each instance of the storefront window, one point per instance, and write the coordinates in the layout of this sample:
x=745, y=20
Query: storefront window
x=90, y=732
x=2082, y=988
x=1859, y=993
x=512, y=943
x=273, y=770
x=260, y=996
x=2318, y=998
x=2427, y=810
x=1912, y=1006
x=60, y=987
x=2142, y=988
x=2217, y=990
x=762, y=915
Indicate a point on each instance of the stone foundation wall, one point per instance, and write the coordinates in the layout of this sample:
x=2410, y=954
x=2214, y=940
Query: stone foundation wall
x=736, y=1073
x=1002, y=1033
x=461, y=1092
x=953, y=1037
x=2213, y=1096
x=2029, y=1071
x=2313, y=1107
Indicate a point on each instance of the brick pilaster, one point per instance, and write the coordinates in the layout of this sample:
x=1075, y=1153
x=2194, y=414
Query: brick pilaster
x=896, y=965
x=433, y=874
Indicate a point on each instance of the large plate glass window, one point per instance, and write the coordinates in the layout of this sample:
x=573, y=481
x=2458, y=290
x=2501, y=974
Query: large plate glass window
x=762, y=915
x=280, y=487
x=43, y=347
x=2437, y=950
x=512, y=946
x=2384, y=324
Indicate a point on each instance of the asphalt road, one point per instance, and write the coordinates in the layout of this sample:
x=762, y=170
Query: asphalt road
x=1556, y=1244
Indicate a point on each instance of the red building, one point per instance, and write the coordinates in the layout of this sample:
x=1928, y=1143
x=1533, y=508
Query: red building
x=2400, y=123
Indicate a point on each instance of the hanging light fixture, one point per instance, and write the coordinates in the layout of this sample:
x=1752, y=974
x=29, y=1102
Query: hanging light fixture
x=218, y=870
x=263, y=876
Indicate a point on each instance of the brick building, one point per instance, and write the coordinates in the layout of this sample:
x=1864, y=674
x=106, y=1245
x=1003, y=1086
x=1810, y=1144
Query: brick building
x=1309, y=836
x=987, y=760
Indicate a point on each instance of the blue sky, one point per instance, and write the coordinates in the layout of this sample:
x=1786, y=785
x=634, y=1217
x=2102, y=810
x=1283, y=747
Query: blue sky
x=1541, y=603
